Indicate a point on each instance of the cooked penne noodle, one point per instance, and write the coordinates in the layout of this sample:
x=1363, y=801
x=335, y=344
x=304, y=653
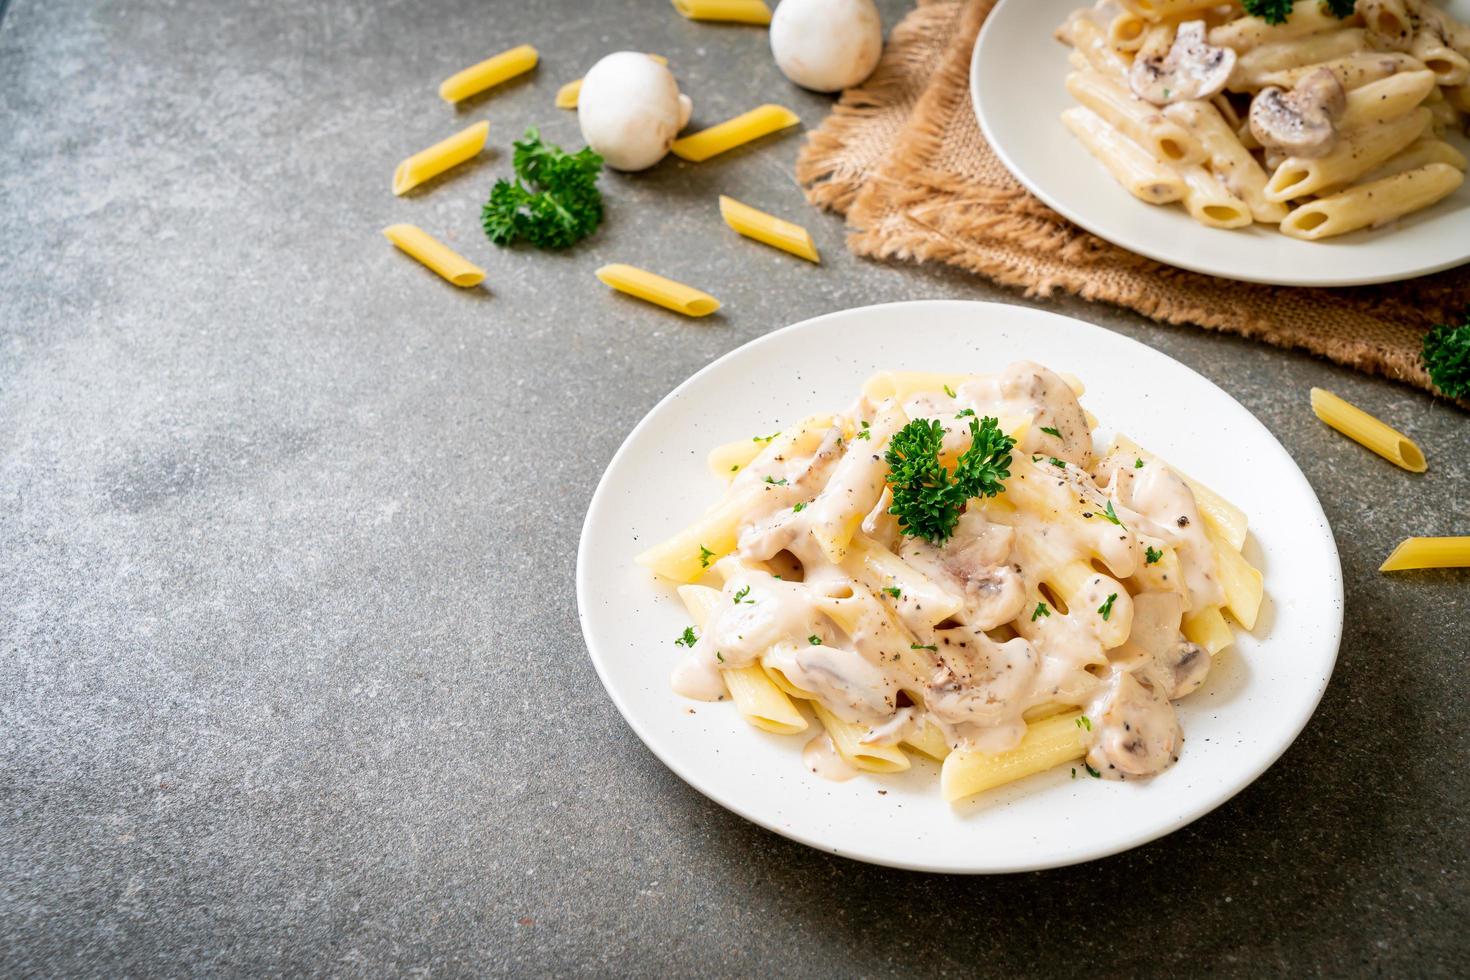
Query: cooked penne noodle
x=1245, y=33
x=1046, y=745
x=1090, y=40
x=1126, y=30
x=930, y=741
x=435, y=254
x=1386, y=99
x=1243, y=584
x=769, y=229
x=1353, y=71
x=1350, y=159
x=1209, y=629
x=1209, y=201
x=1136, y=119
x=1256, y=65
x=1231, y=163
x=756, y=698
x=744, y=128
x=735, y=11
x=1450, y=67
x=1138, y=171
x=488, y=73
x=654, y=288
x=1157, y=10
x=1374, y=203
x=1428, y=553
x=1420, y=153
x=440, y=157
x=1368, y=431
x=847, y=739
x=1227, y=520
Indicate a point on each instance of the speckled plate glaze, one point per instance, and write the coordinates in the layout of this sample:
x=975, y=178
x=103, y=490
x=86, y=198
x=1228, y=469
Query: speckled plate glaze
x=1016, y=53
x=1260, y=695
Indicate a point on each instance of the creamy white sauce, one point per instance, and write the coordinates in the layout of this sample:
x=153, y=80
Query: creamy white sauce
x=976, y=675
x=822, y=758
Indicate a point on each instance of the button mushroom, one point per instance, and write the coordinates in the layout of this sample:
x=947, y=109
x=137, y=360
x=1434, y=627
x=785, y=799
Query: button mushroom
x=630, y=109
x=1191, y=68
x=826, y=45
x=1299, y=123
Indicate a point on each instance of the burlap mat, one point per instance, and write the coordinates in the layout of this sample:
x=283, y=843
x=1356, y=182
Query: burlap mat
x=903, y=158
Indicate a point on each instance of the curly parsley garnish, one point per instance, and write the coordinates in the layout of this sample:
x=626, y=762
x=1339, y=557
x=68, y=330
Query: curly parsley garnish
x=927, y=498
x=1151, y=555
x=1107, y=607
x=553, y=201
x=1447, y=357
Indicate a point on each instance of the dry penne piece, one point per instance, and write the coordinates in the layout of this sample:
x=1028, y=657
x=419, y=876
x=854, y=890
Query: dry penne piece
x=1411, y=553
x=1374, y=203
x=1368, y=431
x=435, y=254
x=748, y=126
x=768, y=228
x=570, y=94
x=490, y=72
x=732, y=11
x=442, y=156
x=654, y=288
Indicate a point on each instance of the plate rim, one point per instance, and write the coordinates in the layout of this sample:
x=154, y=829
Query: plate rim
x=1097, y=228
x=739, y=808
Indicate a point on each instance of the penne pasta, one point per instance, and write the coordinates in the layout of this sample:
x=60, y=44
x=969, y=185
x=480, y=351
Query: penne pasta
x=1414, y=553
x=1352, y=157
x=744, y=128
x=1368, y=431
x=1208, y=628
x=1090, y=40
x=769, y=229
x=1386, y=99
x=1256, y=65
x=1227, y=520
x=656, y=289
x=435, y=254
x=1157, y=10
x=1126, y=30
x=930, y=741
x=1047, y=744
x=734, y=11
x=1138, y=171
x=756, y=698
x=847, y=739
x=448, y=153
x=1374, y=203
x=1449, y=66
x=488, y=73
x=1136, y=119
x=1420, y=153
x=1231, y=163
x=1243, y=584
x=1353, y=71
x=1245, y=33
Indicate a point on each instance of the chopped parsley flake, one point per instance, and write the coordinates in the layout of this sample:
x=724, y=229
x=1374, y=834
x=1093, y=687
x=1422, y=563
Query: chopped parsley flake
x=814, y=640
x=1056, y=462
x=866, y=432
x=1107, y=607
x=964, y=412
x=776, y=483
x=1041, y=610
x=1050, y=431
x=735, y=468
x=1151, y=555
x=764, y=438
x=1112, y=516
x=921, y=646
x=1138, y=463
x=1084, y=722
x=949, y=391
x=704, y=556
x=894, y=591
x=740, y=597
x=1091, y=771
x=719, y=656
x=687, y=639
x=798, y=508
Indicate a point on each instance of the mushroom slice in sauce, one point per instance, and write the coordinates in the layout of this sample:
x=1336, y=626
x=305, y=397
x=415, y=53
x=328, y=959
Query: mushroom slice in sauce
x=1192, y=68
x=1136, y=731
x=1302, y=122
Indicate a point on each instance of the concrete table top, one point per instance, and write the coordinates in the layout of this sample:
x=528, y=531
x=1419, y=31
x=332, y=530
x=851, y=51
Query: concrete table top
x=290, y=671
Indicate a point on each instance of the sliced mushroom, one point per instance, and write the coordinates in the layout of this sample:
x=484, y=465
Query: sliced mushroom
x=1136, y=733
x=1191, y=68
x=1188, y=664
x=1299, y=123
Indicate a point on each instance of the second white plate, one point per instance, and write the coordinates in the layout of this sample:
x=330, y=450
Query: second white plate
x=1017, y=85
x=1259, y=695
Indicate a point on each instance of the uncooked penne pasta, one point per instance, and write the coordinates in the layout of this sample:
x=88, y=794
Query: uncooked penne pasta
x=440, y=157
x=435, y=254
x=1428, y=553
x=488, y=73
x=1145, y=177
x=1368, y=431
x=736, y=11
x=653, y=288
x=769, y=229
x=1374, y=203
x=744, y=128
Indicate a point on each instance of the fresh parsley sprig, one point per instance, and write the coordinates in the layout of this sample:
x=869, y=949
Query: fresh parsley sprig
x=1447, y=357
x=553, y=202
x=927, y=498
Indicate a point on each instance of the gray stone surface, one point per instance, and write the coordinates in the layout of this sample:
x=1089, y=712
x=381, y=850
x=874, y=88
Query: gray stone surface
x=290, y=672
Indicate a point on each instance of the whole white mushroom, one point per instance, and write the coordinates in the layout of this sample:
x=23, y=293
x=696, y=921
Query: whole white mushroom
x=826, y=45
x=630, y=109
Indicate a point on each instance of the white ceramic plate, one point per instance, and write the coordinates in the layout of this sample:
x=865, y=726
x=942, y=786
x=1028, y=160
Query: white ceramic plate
x=1255, y=702
x=1017, y=80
